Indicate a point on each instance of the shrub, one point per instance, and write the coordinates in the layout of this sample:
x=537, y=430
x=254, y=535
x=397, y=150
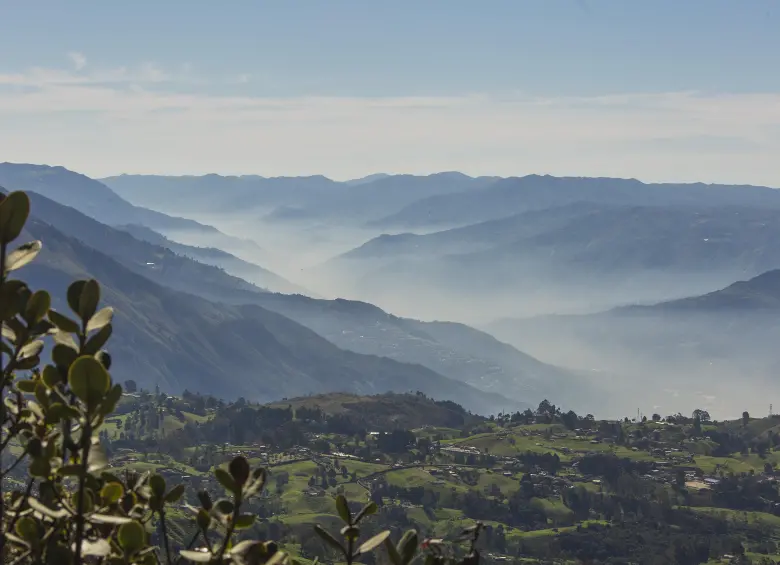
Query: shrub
x=71, y=508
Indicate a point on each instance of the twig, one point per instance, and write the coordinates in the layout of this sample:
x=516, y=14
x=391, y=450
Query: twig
x=86, y=439
x=161, y=513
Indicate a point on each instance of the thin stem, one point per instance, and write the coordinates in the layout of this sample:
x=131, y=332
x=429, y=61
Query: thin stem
x=193, y=539
x=350, y=550
x=231, y=527
x=161, y=513
x=27, y=492
x=86, y=440
x=21, y=558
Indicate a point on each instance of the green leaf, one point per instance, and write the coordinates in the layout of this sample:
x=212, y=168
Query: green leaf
x=98, y=340
x=407, y=547
x=63, y=322
x=26, y=386
x=32, y=349
x=14, y=210
x=27, y=363
x=64, y=338
x=111, y=400
x=97, y=460
x=12, y=298
x=74, y=295
x=374, y=542
x=63, y=356
x=51, y=376
x=157, y=484
x=244, y=521
x=175, y=494
x=100, y=319
x=328, y=538
x=110, y=519
x=89, y=299
x=111, y=492
x=70, y=471
x=9, y=334
x=203, y=519
x=239, y=470
x=37, y=307
x=40, y=507
x=392, y=553
x=343, y=509
x=367, y=510
x=27, y=529
x=22, y=255
x=88, y=380
x=40, y=467
x=131, y=537
x=196, y=556
x=104, y=358
x=205, y=499
x=226, y=480
x=350, y=532
x=225, y=507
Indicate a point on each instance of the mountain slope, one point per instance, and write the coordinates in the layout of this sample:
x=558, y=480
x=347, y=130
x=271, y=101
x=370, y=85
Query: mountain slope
x=151, y=261
x=98, y=201
x=181, y=341
x=716, y=350
x=761, y=293
x=455, y=350
x=218, y=258
x=342, y=322
x=584, y=256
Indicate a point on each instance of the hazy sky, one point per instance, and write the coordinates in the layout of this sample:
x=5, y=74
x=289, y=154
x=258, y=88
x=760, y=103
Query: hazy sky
x=661, y=90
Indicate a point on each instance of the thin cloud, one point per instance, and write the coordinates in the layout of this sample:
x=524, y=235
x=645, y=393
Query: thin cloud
x=149, y=119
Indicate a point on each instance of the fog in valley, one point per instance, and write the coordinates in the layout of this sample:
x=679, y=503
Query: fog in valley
x=557, y=282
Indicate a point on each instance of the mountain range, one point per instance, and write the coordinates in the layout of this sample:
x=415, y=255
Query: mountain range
x=514, y=195
x=463, y=354
x=579, y=256
x=590, y=251
x=180, y=341
x=284, y=198
x=97, y=201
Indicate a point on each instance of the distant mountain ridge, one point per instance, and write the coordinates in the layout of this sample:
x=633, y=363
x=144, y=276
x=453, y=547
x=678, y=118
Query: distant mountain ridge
x=98, y=201
x=341, y=321
x=514, y=195
x=642, y=253
x=298, y=198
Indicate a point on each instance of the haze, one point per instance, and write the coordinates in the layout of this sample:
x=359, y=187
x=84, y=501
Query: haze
x=451, y=161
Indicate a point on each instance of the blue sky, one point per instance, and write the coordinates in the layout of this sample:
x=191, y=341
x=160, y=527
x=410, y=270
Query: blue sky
x=662, y=90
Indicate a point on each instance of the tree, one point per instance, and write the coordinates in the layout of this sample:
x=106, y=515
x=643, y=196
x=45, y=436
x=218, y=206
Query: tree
x=656, y=417
x=745, y=418
x=570, y=419
x=130, y=386
x=697, y=426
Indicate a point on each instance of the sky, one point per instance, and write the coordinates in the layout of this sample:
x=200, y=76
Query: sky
x=667, y=90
